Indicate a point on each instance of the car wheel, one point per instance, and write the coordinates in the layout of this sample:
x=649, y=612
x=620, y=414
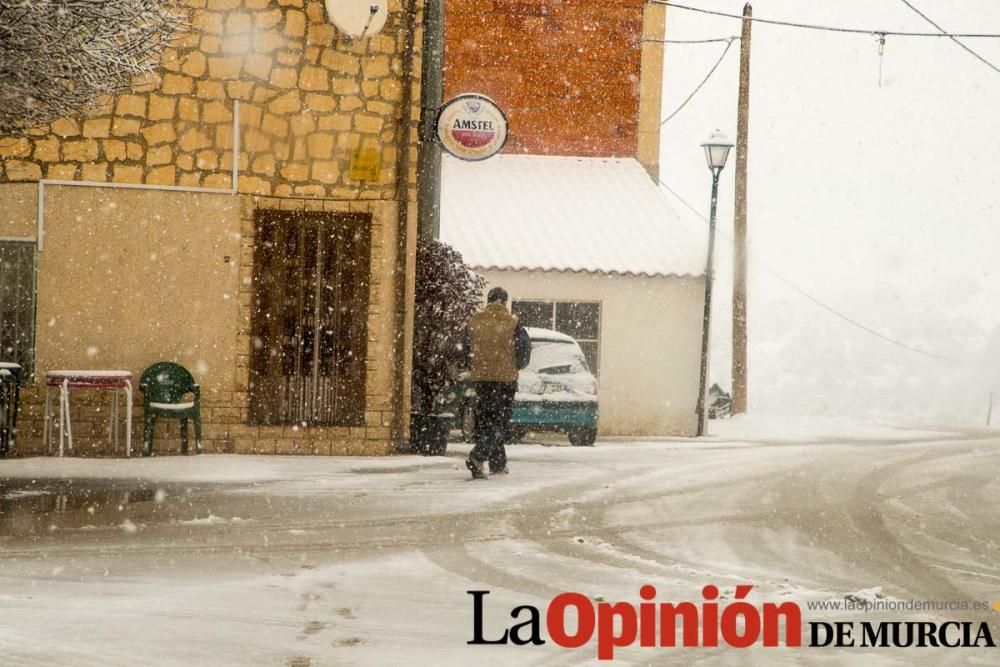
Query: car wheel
x=582, y=437
x=468, y=424
x=517, y=434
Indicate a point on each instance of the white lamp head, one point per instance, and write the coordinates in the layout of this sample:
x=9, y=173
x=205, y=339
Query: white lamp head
x=717, y=150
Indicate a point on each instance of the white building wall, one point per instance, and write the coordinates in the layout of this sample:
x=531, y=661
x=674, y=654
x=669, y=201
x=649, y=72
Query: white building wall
x=650, y=343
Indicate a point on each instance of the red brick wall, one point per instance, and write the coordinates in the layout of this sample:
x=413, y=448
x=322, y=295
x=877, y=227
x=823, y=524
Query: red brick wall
x=566, y=72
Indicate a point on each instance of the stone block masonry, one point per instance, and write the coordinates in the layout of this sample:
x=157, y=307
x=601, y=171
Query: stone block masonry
x=301, y=85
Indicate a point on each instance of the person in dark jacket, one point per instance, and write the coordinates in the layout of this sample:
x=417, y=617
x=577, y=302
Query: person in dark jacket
x=496, y=346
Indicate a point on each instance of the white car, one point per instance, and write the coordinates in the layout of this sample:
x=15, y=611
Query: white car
x=555, y=392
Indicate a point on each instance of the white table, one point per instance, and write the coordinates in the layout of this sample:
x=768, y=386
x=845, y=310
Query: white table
x=77, y=379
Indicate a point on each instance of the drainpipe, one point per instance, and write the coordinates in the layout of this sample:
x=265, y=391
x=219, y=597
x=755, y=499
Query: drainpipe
x=431, y=97
x=403, y=287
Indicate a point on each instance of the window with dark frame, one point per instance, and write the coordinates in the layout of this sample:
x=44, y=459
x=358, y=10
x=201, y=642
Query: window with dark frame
x=17, y=304
x=579, y=319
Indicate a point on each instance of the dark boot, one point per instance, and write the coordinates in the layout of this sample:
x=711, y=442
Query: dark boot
x=476, y=468
x=498, y=461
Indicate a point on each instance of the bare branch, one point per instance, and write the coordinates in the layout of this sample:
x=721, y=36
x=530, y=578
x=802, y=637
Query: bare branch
x=59, y=57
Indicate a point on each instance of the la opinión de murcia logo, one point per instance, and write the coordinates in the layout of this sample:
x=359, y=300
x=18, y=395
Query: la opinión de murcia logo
x=652, y=624
x=573, y=620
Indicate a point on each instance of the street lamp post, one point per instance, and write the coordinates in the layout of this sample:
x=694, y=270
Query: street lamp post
x=716, y=152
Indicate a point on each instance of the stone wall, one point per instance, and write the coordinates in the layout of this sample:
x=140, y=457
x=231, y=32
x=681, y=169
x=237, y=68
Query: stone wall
x=309, y=98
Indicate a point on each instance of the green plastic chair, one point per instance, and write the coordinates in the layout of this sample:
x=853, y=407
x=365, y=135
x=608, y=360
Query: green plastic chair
x=165, y=387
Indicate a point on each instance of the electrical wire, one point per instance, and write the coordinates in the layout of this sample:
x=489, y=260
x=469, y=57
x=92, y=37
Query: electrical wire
x=952, y=37
x=708, y=76
x=811, y=26
x=813, y=299
x=712, y=40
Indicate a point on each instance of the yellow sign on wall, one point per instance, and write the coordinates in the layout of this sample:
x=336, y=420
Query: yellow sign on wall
x=366, y=165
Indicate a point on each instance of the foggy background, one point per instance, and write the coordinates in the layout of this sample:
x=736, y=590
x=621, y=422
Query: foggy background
x=878, y=200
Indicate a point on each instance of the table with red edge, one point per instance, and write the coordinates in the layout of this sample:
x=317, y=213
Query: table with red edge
x=93, y=379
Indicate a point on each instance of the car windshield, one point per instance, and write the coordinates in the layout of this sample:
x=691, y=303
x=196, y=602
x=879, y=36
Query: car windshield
x=550, y=357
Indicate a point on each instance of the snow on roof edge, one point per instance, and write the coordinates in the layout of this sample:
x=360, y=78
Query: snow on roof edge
x=637, y=274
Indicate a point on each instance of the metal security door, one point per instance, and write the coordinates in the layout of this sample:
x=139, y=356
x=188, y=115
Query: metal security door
x=311, y=287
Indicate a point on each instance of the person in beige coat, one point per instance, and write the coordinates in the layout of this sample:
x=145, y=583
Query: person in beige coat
x=496, y=346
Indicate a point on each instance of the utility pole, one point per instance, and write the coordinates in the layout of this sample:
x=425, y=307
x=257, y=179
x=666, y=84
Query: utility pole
x=431, y=97
x=740, y=223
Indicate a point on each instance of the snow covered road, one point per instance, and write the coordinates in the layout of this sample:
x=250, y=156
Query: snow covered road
x=227, y=560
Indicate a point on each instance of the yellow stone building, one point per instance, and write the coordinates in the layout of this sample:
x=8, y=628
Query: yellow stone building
x=249, y=212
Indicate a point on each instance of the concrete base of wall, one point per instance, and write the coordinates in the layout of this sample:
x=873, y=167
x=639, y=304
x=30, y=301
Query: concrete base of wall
x=222, y=432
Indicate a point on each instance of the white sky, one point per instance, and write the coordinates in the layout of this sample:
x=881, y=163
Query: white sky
x=880, y=201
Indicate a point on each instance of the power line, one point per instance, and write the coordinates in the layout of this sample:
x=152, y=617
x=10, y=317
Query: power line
x=708, y=76
x=952, y=37
x=712, y=40
x=811, y=26
x=813, y=299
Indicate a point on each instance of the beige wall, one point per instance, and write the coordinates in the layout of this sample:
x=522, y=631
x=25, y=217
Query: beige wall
x=650, y=343
x=654, y=27
x=129, y=277
x=18, y=210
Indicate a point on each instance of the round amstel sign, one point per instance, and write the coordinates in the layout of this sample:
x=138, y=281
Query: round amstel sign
x=472, y=127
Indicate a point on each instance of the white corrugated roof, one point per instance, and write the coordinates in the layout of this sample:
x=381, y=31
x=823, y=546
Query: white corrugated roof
x=564, y=214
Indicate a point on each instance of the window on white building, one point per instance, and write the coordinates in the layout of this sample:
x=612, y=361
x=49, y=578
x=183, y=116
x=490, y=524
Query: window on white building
x=579, y=319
